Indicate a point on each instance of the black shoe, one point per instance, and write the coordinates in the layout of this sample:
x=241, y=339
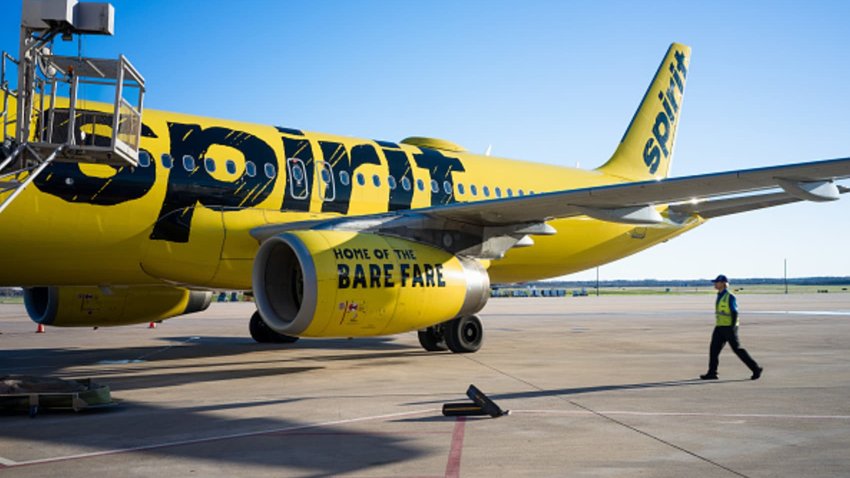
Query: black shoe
x=710, y=376
x=757, y=373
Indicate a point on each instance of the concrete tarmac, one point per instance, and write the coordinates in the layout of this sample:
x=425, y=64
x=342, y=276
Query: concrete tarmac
x=597, y=387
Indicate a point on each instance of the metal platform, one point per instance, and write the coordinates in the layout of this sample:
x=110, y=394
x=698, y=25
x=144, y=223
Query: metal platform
x=33, y=394
x=65, y=108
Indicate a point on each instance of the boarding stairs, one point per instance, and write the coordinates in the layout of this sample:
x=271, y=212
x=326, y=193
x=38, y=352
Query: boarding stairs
x=66, y=108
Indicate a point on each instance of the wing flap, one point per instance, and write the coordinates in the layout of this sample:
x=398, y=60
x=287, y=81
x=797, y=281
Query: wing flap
x=724, y=207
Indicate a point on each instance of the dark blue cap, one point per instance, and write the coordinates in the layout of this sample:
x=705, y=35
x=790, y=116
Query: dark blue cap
x=721, y=278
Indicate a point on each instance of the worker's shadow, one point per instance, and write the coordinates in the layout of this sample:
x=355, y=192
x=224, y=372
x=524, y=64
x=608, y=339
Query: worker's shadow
x=566, y=392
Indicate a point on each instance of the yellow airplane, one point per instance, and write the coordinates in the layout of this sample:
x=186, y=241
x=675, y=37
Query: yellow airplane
x=345, y=237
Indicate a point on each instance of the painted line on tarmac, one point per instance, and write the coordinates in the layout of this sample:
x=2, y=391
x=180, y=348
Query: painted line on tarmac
x=142, y=358
x=802, y=312
x=688, y=414
x=4, y=462
x=231, y=436
x=453, y=465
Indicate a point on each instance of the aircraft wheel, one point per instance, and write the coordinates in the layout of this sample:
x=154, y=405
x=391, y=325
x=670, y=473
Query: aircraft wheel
x=464, y=334
x=263, y=334
x=432, y=339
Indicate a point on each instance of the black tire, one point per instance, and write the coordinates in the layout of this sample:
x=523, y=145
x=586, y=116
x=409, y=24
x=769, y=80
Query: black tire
x=464, y=335
x=432, y=339
x=262, y=333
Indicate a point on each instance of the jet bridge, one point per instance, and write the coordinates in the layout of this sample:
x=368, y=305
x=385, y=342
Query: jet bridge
x=65, y=108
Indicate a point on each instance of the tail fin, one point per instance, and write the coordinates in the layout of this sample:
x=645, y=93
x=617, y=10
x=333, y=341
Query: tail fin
x=646, y=150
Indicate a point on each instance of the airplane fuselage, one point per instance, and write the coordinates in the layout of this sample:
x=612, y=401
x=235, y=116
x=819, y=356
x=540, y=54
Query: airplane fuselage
x=184, y=215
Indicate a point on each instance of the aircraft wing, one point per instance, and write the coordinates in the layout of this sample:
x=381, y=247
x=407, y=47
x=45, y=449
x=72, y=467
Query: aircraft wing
x=624, y=196
x=487, y=229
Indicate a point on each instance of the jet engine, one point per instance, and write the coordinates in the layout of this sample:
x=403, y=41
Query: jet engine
x=348, y=284
x=72, y=306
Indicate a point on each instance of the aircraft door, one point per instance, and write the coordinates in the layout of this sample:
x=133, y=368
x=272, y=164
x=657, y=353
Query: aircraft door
x=299, y=188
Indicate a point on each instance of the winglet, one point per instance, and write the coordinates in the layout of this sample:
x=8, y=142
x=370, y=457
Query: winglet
x=646, y=150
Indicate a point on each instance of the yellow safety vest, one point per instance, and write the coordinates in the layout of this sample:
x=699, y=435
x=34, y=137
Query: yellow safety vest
x=723, y=311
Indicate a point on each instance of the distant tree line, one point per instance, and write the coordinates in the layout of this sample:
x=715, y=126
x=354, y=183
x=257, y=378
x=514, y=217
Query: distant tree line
x=695, y=282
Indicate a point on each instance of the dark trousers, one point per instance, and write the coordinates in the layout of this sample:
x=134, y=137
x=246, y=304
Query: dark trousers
x=719, y=337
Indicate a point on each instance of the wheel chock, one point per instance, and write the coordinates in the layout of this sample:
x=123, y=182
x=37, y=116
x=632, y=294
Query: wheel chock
x=487, y=405
x=462, y=409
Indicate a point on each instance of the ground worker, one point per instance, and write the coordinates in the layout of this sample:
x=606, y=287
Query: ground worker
x=726, y=330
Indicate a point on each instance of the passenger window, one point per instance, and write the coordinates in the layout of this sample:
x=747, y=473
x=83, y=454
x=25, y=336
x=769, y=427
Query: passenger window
x=486, y=190
x=405, y=183
x=376, y=180
x=144, y=159
x=434, y=186
x=297, y=173
x=510, y=193
x=498, y=192
x=188, y=163
x=460, y=188
x=209, y=165
x=521, y=193
x=360, y=179
x=344, y=178
x=420, y=184
x=447, y=187
x=250, y=169
x=391, y=183
x=230, y=166
x=327, y=185
x=473, y=189
x=167, y=161
x=269, y=170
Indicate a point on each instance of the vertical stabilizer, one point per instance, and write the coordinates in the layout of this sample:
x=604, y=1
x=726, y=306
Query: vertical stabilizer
x=646, y=149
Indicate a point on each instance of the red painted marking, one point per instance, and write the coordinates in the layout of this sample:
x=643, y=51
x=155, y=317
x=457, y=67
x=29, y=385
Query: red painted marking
x=453, y=466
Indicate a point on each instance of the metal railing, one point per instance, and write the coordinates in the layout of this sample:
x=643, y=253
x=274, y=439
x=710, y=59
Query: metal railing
x=7, y=91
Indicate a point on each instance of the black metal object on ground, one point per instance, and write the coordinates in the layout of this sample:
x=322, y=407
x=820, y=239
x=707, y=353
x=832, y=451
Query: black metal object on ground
x=462, y=409
x=480, y=405
x=484, y=402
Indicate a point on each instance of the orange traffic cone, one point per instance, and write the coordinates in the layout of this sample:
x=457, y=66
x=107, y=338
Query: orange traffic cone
x=40, y=329
x=152, y=325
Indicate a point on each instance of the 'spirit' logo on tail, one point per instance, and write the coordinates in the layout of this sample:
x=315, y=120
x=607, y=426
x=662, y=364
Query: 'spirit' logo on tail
x=664, y=128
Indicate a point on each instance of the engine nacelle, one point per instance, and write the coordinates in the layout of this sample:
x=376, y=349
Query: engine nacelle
x=71, y=306
x=348, y=284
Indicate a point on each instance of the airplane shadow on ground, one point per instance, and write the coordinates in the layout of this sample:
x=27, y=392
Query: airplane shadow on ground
x=201, y=434
x=263, y=434
x=195, y=354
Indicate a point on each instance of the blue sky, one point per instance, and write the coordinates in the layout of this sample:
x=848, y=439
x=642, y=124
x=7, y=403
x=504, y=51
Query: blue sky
x=554, y=82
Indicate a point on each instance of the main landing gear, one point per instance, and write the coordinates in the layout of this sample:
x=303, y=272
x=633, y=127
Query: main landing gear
x=462, y=335
x=263, y=334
